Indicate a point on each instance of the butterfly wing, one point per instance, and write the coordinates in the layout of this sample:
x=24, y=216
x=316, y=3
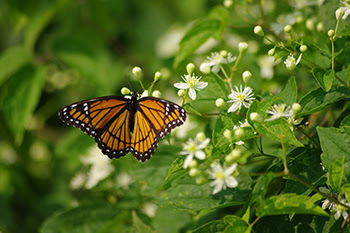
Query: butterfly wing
x=106, y=119
x=154, y=119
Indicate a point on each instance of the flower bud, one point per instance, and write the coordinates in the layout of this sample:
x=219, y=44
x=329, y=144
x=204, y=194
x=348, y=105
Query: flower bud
x=246, y=76
x=220, y=103
x=194, y=172
x=200, y=136
x=254, y=116
x=296, y=107
x=271, y=52
x=157, y=94
x=259, y=31
x=319, y=27
x=331, y=33
x=157, y=76
x=288, y=28
x=137, y=72
x=125, y=91
x=181, y=93
x=299, y=19
x=339, y=13
x=239, y=133
x=190, y=68
x=200, y=180
x=290, y=62
x=233, y=156
x=205, y=68
x=227, y=134
x=223, y=53
x=193, y=164
x=303, y=48
x=242, y=47
x=228, y=3
x=310, y=24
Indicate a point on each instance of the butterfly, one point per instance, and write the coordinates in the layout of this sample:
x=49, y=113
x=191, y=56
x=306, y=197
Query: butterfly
x=121, y=125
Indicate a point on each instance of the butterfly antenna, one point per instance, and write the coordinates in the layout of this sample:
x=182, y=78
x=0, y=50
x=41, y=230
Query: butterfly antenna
x=127, y=80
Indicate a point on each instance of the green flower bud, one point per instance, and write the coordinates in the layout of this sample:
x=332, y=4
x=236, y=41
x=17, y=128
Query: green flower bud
x=242, y=47
x=227, y=134
x=157, y=94
x=331, y=33
x=271, y=52
x=303, y=48
x=190, y=68
x=157, y=76
x=125, y=91
x=137, y=72
x=296, y=107
x=254, y=116
x=194, y=172
x=259, y=31
x=193, y=164
x=220, y=103
x=339, y=13
x=200, y=136
x=181, y=93
x=239, y=133
x=288, y=28
x=246, y=76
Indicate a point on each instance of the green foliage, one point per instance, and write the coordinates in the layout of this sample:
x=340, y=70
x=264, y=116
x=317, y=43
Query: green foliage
x=269, y=154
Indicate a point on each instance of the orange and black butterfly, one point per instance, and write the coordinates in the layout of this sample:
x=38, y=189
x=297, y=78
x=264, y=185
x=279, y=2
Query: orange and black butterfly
x=120, y=125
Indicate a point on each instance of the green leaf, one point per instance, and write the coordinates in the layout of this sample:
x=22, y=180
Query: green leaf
x=139, y=226
x=190, y=109
x=335, y=144
x=278, y=129
x=199, y=33
x=318, y=99
x=224, y=121
x=346, y=121
x=260, y=188
x=11, y=60
x=170, y=220
x=289, y=92
x=325, y=79
x=89, y=218
x=213, y=91
x=176, y=166
x=305, y=163
x=41, y=19
x=345, y=31
x=289, y=204
x=230, y=223
x=335, y=174
x=19, y=98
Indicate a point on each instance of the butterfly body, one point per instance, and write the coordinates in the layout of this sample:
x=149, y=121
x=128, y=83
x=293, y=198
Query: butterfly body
x=120, y=125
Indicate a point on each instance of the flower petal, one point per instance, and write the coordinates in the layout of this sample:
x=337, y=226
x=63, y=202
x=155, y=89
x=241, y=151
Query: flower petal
x=187, y=161
x=200, y=154
x=200, y=85
x=192, y=93
x=181, y=85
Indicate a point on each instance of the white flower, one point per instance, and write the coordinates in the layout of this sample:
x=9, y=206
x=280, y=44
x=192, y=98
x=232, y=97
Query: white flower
x=291, y=63
x=338, y=209
x=240, y=97
x=216, y=59
x=192, y=83
x=194, y=148
x=222, y=177
x=278, y=111
x=345, y=6
x=100, y=167
x=78, y=181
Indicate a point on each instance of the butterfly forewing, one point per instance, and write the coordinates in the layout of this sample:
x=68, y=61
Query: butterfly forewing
x=108, y=118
